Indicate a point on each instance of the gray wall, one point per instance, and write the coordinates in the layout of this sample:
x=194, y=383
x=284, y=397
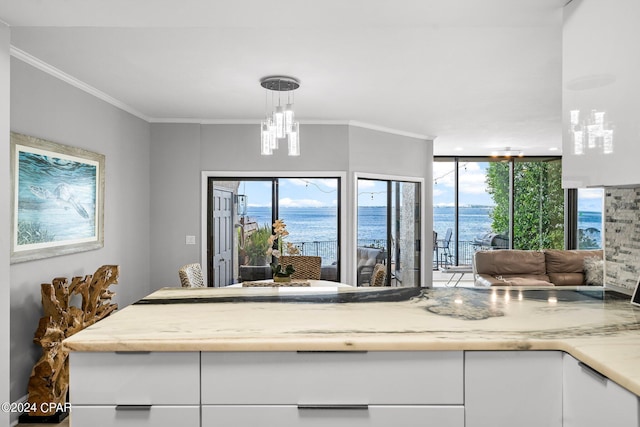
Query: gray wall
x=622, y=237
x=4, y=219
x=48, y=108
x=180, y=152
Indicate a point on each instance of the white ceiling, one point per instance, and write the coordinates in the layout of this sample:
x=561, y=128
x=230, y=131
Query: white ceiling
x=478, y=75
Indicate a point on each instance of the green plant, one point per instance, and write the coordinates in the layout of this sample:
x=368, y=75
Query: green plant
x=257, y=244
x=278, y=246
x=538, y=217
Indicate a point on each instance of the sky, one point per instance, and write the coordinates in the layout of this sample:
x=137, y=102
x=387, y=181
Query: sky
x=322, y=192
x=294, y=192
x=473, y=189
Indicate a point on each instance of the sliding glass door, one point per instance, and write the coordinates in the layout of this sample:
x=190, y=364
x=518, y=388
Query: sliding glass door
x=388, y=232
x=309, y=207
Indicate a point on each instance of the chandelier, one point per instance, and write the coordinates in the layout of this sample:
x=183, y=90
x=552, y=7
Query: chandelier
x=279, y=124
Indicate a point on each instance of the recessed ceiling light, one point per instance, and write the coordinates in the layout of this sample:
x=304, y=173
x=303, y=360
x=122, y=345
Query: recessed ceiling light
x=553, y=149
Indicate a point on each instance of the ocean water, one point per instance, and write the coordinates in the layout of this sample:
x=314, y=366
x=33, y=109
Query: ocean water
x=320, y=224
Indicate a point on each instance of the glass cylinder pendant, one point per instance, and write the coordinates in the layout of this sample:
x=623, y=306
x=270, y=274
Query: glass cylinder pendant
x=278, y=120
x=288, y=118
x=294, y=140
x=265, y=140
x=272, y=135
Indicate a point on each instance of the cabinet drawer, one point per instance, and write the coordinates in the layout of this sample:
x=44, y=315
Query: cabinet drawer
x=156, y=416
x=134, y=378
x=393, y=377
x=292, y=416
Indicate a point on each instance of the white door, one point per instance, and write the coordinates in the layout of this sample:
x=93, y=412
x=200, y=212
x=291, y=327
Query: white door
x=222, y=237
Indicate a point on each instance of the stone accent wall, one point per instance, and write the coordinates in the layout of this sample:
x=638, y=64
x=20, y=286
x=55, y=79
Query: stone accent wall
x=622, y=237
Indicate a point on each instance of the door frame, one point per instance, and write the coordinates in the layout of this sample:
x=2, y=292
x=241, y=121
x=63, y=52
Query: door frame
x=206, y=175
x=424, y=244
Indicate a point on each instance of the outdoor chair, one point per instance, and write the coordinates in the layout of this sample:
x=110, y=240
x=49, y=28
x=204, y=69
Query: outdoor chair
x=379, y=275
x=447, y=256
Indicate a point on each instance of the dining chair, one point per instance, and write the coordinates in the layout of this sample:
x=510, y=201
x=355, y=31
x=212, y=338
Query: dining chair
x=307, y=267
x=379, y=275
x=191, y=276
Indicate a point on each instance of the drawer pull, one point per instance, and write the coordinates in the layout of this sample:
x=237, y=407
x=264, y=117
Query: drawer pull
x=595, y=374
x=332, y=351
x=363, y=407
x=133, y=352
x=133, y=407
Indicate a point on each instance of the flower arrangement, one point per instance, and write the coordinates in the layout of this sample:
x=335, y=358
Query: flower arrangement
x=277, y=247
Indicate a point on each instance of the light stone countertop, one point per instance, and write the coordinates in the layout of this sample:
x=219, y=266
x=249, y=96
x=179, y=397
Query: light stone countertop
x=601, y=329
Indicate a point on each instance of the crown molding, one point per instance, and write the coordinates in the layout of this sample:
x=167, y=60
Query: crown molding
x=391, y=131
x=61, y=75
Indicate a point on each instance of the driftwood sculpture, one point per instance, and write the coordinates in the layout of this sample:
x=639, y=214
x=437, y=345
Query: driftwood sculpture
x=49, y=379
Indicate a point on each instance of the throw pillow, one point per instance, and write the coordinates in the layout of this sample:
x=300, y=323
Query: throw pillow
x=594, y=271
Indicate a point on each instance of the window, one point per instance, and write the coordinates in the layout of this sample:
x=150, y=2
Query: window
x=590, y=226
x=496, y=203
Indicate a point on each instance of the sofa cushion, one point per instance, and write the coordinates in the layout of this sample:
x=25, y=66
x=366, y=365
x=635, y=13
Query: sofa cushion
x=567, y=279
x=526, y=281
x=509, y=262
x=566, y=267
x=568, y=261
x=594, y=271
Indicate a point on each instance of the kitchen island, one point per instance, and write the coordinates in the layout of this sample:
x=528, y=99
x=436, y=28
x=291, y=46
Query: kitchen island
x=432, y=341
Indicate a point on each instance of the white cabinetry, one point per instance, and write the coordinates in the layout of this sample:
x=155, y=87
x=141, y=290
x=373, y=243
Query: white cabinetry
x=333, y=388
x=344, y=389
x=135, y=389
x=591, y=399
x=601, y=94
x=513, y=388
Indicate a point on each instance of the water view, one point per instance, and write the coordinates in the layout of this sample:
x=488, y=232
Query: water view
x=319, y=224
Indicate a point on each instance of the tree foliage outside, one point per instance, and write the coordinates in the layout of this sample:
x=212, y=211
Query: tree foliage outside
x=538, y=219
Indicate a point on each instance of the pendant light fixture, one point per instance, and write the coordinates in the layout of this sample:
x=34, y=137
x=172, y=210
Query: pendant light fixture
x=279, y=122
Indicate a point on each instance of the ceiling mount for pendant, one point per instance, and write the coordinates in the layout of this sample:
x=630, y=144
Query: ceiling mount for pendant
x=280, y=83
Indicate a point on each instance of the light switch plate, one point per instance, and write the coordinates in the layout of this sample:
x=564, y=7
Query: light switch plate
x=190, y=240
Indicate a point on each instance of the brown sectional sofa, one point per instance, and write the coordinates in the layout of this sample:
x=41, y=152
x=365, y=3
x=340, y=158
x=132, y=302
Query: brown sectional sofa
x=550, y=267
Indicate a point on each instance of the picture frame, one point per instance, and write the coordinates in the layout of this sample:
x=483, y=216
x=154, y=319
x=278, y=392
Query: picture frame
x=635, y=298
x=57, y=199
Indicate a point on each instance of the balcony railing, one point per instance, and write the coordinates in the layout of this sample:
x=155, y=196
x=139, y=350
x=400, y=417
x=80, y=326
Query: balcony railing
x=328, y=250
x=447, y=256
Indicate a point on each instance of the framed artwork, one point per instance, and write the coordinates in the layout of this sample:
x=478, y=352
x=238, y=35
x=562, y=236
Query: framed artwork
x=57, y=199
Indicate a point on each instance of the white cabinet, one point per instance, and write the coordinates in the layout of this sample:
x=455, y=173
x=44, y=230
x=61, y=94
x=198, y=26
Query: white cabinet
x=371, y=416
x=135, y=416
x=513, y=388
x=333, y=388
x=391, y=377
x=134, y=389
x=591, y=399
x=601, y=94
